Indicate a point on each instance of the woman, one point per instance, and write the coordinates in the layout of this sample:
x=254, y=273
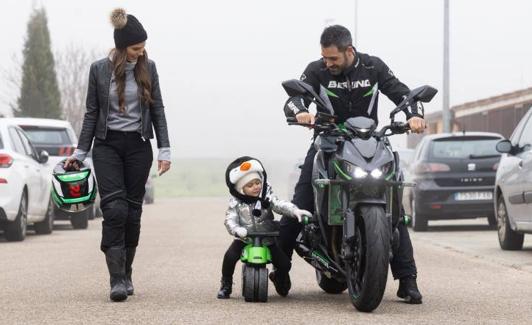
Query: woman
x=123, y=102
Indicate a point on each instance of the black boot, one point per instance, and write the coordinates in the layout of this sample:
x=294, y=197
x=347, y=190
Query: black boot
x=408, y=290
x=281, y=282
x=116, y=262
x=226, y=288
x=130, y=255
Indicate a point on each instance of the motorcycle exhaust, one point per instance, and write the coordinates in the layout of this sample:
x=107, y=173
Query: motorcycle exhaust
x=317, y=260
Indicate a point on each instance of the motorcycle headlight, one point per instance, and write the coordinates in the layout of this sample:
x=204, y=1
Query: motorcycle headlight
x=355, y=171
x=376, y=173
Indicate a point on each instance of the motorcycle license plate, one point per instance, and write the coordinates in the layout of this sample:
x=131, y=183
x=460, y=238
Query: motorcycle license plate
x=473, y=196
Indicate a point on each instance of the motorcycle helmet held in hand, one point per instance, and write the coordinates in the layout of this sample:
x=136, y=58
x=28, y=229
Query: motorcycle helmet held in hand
x=73, y=190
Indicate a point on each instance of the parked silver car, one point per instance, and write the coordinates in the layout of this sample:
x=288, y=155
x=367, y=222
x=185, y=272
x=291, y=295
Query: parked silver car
x=513, y=186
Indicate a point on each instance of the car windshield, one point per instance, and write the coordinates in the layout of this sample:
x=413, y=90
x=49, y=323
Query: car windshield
x=54, y=140
x=465, y=148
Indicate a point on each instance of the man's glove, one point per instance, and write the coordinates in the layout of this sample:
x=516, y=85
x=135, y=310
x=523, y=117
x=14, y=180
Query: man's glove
x=299, y=213
x=241, y=232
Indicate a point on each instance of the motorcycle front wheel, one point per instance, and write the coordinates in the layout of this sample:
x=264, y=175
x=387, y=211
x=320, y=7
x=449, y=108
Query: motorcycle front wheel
x=367, y=271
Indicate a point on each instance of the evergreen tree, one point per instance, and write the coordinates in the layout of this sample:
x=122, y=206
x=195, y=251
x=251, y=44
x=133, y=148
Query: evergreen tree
x=39, y=93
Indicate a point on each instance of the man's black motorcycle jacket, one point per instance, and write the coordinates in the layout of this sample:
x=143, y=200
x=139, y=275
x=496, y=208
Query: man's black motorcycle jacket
x=354, y=92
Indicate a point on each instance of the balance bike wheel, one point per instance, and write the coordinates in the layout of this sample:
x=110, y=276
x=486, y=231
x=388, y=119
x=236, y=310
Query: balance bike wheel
x=262, y=288
x=248, y=283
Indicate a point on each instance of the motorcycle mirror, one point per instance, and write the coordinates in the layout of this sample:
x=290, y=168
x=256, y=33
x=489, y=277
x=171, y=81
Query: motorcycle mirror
x=424, y=94
x=296, y=87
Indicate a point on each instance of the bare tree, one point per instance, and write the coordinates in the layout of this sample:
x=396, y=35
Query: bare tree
x=12, y=81
x=72, y=68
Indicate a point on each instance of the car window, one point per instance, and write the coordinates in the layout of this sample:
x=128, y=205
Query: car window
x=419, y=149
x=56, y=141
x=526, y=135
x=27, y=145
x=16, y=142
x=517, y=131
x=1, y=143
x=463, y=148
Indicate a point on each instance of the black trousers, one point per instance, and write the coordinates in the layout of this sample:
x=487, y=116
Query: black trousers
x=279, y=260
x=122, y=164
x=402, y=264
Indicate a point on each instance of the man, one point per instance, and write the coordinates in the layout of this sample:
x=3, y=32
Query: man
x=352, y=80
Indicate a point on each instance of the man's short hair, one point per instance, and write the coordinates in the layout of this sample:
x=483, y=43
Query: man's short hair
x=336, y=35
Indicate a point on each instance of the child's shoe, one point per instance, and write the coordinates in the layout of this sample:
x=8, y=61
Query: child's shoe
x=226, y=288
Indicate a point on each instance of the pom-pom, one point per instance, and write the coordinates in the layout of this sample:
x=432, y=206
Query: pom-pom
x=119, y=18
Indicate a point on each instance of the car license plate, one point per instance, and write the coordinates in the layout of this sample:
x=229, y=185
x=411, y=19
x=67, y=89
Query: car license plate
x=473, y=196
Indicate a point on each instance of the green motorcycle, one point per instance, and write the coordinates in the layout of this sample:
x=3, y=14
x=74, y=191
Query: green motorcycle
x=255, y=257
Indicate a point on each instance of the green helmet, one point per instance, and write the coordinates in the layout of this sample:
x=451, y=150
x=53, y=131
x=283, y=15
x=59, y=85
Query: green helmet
x=73, y=190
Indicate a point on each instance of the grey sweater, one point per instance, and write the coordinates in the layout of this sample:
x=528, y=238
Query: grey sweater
x=129, y=120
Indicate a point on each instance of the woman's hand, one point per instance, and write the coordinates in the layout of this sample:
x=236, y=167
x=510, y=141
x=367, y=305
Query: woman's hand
x=71, y=163
x=164, y=166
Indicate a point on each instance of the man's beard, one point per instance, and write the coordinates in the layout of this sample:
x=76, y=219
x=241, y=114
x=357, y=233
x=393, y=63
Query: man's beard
x=336, y=71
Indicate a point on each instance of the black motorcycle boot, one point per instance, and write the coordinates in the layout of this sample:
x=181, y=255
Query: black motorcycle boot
x=281, y=282
x=226, y=288
x=130, y=255
x=408, y=290
x=116, y=262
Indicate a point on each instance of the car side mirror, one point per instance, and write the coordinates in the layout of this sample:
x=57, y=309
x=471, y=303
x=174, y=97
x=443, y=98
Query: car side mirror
x=504, y=146
x=43, y=156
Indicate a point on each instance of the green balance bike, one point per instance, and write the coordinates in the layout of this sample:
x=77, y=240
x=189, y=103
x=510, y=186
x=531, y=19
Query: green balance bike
x=255, y=256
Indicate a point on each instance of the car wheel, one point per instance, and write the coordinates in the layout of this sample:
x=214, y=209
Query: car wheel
x=92, y=212
x=99, y=213
x=492, y=220
x=80, y=220
x=508, y=239
x=47, y=225
x=419, y=223
x=16, y=230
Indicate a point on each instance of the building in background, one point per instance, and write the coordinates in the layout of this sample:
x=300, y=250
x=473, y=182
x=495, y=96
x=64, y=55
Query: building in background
x=499, y=114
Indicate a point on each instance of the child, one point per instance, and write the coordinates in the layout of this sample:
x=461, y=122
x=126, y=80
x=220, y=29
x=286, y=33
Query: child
x=250, y=209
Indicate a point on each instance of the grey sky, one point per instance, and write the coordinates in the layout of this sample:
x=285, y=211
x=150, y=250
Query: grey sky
x=221, y=62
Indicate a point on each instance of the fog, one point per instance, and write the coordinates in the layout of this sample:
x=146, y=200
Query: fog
x=221, y=63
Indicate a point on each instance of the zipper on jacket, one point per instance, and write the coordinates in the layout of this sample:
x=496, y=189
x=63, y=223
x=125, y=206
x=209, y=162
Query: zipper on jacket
x=141, y=122
x=108, y=105
x=349, y=89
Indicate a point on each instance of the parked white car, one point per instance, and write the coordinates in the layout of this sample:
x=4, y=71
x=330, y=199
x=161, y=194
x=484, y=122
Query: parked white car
x=24, y=188
x=513, y=186
x=58, y=138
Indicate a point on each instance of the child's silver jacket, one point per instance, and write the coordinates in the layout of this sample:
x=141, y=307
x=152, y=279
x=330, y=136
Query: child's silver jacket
x=239, y=214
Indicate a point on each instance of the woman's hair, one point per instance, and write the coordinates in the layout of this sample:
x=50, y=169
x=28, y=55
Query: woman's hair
x=119, y=60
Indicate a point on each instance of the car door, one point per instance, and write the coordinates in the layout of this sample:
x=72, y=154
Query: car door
x=23, y=165
x=35, y=178
x=515, y=170
x=525, y=142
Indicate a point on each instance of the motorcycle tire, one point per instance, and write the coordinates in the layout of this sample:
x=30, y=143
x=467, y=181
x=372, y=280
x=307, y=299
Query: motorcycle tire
x=368, y=271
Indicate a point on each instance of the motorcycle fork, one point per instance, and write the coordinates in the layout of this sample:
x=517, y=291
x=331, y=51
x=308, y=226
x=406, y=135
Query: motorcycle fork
x=349, y=233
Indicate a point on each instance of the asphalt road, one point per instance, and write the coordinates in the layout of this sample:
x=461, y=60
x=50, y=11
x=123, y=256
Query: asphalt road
x=62, y=278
